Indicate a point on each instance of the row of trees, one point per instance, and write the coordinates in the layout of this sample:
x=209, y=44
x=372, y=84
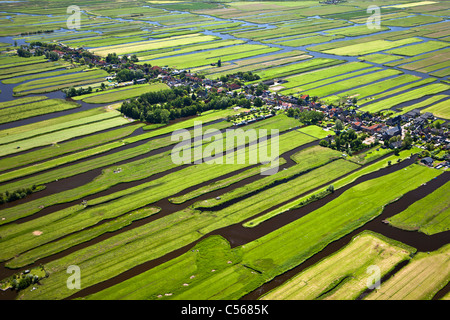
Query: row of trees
x=72, y=92
x=246, y=76
x=36, y=32
x=25, y=53
x=315, y=197
x=113, y=58
x=17, y=194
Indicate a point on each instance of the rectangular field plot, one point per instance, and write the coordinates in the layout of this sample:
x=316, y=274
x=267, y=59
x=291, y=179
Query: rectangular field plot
x=299, y=67
x=343, y=276
x=309, y=40
x=328, y=81
x=407, y=96
x=145, y=216
x=412, y=21
x=14, y=61
x=416, y=49
x=64, y=134
x=355, y=31
x=314, y=76
x=441, y=73
x=347, y=84
x=425, y=60
x=380, y=58
x=425, y=103
x=127, y=93
x=187, y=49
x=374, y=88
x=58, y=82
x=370, y=47
x=33, y=109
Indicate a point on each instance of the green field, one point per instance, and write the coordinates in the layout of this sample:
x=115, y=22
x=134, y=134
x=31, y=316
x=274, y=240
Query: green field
x=132, y=92
x=370, y=47
x=419, y=48
x=59, y=82
x=260, y=260
x=427, y=215
x=83, y=184
x=61, y=135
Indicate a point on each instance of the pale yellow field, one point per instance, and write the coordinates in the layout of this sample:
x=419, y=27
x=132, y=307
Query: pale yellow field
x=413, y=4
x=425, y=275
x=351, y=262
x=153, y=44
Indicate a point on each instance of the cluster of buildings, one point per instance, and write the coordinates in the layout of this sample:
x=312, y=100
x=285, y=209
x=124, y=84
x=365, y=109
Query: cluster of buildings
x=377, y=127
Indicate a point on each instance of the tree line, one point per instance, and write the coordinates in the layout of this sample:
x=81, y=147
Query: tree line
x=17, y=194
x=165, y=105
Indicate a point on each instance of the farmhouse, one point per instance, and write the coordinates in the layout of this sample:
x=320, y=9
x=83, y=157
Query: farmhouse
x=413, y=113
x=392, y=132
x=427, y=161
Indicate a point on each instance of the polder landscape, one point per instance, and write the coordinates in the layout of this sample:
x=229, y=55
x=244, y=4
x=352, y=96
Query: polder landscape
x=350, y=97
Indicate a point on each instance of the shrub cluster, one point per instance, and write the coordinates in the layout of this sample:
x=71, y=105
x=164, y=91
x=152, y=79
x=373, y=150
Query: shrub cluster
x=170, y=104
x=17, y=194
x=315, y=197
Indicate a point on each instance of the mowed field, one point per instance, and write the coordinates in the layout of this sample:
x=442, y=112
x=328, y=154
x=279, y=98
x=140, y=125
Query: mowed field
x=343, y=275
x=81, y=184
x=420, y=279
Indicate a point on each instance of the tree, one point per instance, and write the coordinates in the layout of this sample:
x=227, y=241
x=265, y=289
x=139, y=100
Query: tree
x=165, y=116
x=258, y=102
x=339, y=125
x=290, y=112
x=338, y=143
x=23, y=53
x=134, y=58
x=112, y=58
x=352, y=135
x=323, y=143
x=52, y=56
x=219, y=63
x=408, y=141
